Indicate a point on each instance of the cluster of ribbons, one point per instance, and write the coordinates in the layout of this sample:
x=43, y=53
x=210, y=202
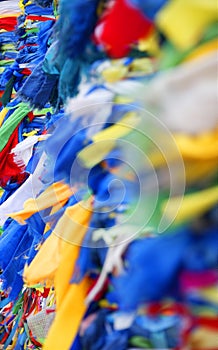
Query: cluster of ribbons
x=108, y=160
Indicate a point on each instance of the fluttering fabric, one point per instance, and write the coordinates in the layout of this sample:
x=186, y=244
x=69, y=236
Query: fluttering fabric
x=108, y=165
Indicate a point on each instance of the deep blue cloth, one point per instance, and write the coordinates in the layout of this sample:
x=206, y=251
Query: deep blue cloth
x=11, y=275
x=43, y=3
x=75, y=25
x=62, y=148
x=33, y=9
x=38, y=87
x=9, y=242
x=155, y=264
x=45, y=31
x=17, y=247
x=94, y=337
x=9, y=189
x=36, y=226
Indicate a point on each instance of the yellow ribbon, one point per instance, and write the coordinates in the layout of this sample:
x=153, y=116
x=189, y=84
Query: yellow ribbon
x=193, y=205
x=184, y=21
x=57, y=193
x=2, y=115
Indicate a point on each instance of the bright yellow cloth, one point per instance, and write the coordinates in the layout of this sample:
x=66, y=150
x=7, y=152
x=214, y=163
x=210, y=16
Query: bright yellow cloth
x=202, y=50
x=2, y=115
x=198, y=170
x=114, y=73
x=54, y=194
x=43, y=267
x=70, y=297
x=184, y=21
x=21, y=5
x=71, y=228
x=31, y=133
x=150, y=44
x=199, y=154
x=117, y=71
x=195, y=170
x=203, y=339
x=74, y=222
x=67, y=321
x=10, y=15
x=203, y=146
x=55, y=208
x=118, y=130
x=210, y=294
x=192, y=205
x=69, y=254
x=105, y=140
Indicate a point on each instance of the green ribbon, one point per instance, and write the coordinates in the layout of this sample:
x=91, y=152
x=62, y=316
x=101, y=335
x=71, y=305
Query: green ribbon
x=12, y=122
x=141, y=342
